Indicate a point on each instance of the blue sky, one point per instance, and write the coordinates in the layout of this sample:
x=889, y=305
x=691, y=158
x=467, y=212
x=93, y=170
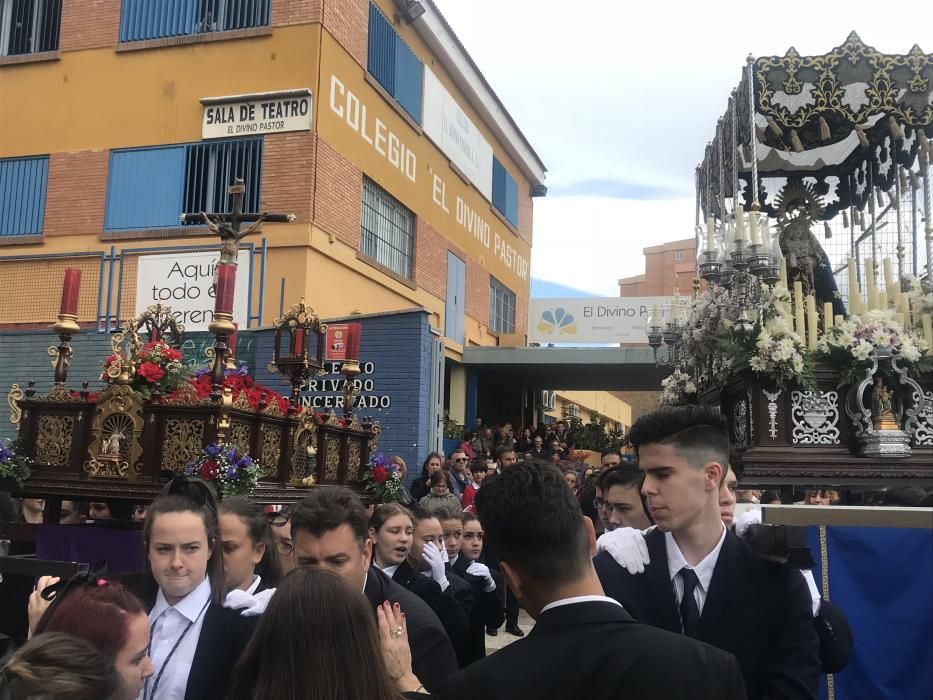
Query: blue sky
x=619, y=100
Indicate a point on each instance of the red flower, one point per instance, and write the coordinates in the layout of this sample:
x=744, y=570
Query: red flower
x=209, y=470
x=380, y=474
x=150, y=372
x=172, y=355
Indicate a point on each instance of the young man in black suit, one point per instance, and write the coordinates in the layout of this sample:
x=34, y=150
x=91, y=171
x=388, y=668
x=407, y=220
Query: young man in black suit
x=702, y=580
x=330, y=530
x=583, y=645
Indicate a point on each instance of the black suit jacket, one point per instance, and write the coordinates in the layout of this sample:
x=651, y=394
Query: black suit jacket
x=594, y=650
x=432, y=656
x=758, y=610
x=224, y=635
x=445, y=604
x=487, y=609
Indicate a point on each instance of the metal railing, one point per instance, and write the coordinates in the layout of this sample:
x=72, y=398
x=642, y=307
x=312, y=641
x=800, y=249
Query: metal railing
x=29, y=26
x=155, y=19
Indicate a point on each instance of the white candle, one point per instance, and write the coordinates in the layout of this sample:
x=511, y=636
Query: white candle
x=798, y=309
x=740, y=222
x=883, y=299
x=888, y=277
x=827, y=316
x=927, y=322
x=710, y=233
x=655, y=315
x=869, y=276
x=753, y=228
x=838, y=319
x=854, y=295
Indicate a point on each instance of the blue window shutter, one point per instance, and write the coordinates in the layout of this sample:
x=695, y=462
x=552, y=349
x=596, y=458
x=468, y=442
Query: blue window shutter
x=380, y=61
x=153, y=19
x=144, y=188
x=511, y=200
x=409, y=79
x=498, y=185
x=22, y=195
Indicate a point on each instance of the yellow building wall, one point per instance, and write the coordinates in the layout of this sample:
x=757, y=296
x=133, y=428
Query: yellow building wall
x=601, y=402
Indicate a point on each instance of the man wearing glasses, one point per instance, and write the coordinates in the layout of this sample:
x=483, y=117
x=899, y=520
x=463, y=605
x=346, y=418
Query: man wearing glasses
x=459, y=478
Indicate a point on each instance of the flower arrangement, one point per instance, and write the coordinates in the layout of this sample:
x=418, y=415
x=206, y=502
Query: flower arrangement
x=158, y=369
x=383, y=480
x=239, y=381
x=850, y=343
x=12, y=465
x=232, y=473
x=678, y=389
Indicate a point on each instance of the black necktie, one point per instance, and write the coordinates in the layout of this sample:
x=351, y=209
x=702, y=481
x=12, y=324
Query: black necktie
x=689, y=611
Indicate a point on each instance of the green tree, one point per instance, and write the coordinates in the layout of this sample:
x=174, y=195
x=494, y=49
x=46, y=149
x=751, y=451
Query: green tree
x=594, y=435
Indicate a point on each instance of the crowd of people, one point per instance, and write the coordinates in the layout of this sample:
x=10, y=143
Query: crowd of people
x=331, y=598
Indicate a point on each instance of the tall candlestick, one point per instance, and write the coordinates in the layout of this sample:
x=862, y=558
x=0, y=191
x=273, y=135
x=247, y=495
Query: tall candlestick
x=740, y=222
x=798, y=309
x=927, y=322
x=888, y=277
x=870, y=280
x=838, y=319
x=70, y=289
x=827, y=315
x=710, y=233
x=298, y=343
x=354, y=330
x=854, y=294
x=225, y=285
x=812, y=325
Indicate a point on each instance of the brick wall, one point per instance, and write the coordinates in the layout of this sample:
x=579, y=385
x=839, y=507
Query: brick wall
x=295, y=12
x=89, y=24
x=477, y=292
x=431, y=259
x=525, y=217
x=77, y=193
x=288, y=174
x=339, y=195
x=348, y=22
x=521, y=314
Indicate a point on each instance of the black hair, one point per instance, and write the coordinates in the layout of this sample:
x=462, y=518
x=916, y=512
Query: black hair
x=628, y=475
x=770, y=497
x=617, y=453
x=469, y=517
x=328, y=507
x=533, y=522
x=184, y=494
x=438, y=478
x=698, y=433
x=737, y=465
x=257, y=526
x=478, y=465
x=503, y=450
x=419, y=513
x=424, y=467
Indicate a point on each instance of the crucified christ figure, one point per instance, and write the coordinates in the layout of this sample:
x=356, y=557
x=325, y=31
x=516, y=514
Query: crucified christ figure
x=229, y=237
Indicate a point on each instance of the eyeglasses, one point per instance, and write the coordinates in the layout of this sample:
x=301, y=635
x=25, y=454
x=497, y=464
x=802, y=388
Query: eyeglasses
x=278, y=519
x=459, y=459
x=284, y=548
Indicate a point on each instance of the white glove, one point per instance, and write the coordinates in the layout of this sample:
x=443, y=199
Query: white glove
x=627, y=546
x=249, y=605
x=433, y=557
x=815, y=596
x=750, y=517
x=482, y=571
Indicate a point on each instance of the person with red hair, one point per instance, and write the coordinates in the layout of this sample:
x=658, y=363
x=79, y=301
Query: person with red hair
x=107, y=616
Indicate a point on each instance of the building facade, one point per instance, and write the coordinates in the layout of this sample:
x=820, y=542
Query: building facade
x=410, y=184
x=669, y=268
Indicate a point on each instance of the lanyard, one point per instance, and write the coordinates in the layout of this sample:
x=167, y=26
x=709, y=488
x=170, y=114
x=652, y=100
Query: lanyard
x=155, y=685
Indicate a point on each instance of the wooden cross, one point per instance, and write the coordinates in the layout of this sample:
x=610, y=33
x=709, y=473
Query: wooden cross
x=227, y=226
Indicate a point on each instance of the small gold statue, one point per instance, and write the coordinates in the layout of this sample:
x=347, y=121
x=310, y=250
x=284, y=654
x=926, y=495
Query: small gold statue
x=882, y=407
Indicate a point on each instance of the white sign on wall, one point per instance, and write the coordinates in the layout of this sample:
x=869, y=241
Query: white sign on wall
x=265, y=113
x=596, y=320
x=185, y=282
x=456, y=135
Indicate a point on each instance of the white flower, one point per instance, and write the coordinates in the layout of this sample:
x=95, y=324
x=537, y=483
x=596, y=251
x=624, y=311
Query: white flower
x=758, y=364
x=764, y=339
x=880, y=338
x=797, y=363
x=909, y=351
x=862, y=350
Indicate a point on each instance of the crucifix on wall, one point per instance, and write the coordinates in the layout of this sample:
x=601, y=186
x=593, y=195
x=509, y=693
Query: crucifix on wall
x=227, y=225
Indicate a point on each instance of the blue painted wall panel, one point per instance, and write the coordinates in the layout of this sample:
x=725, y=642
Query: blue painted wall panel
x=23, y=184
x=381, y=57
x=144, y=188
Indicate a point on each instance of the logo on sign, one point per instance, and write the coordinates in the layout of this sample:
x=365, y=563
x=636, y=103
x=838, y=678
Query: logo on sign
x=557, y=321
x=336, y=340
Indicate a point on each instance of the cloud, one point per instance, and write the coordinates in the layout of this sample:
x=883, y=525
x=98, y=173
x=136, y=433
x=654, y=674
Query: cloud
x=542, y=289
x=615, y=189
x=588, y=243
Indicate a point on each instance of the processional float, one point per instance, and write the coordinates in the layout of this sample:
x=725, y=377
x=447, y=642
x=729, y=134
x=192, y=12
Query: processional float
x=152, y=420
x=811, y=321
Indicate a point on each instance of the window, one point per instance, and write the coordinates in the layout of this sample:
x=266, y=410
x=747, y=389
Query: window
x=29, y=26
x=156, y=19
x=501, y=307
x=387, y=235
x=678, y=255
x=152, y=187
x=504, y=192
x=394, y=66
x=22, y=195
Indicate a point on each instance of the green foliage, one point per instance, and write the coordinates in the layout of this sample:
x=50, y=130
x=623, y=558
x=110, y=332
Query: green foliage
x=594, y=436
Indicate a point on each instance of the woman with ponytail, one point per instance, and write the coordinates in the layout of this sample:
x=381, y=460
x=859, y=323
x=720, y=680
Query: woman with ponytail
x=195, y=641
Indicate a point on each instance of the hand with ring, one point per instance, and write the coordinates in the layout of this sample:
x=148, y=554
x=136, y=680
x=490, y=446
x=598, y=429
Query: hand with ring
x=393, y=638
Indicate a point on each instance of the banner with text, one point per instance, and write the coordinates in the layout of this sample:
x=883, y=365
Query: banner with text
x=451, y=129
x=185, y=282
x=245, y=115
x=595, y=320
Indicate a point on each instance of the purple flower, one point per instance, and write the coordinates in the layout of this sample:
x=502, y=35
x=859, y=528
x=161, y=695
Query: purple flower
x=233, y=472
x=231, y=456
x=212, y=450
x=245, y=462
x=202, y=371
x=378, y=460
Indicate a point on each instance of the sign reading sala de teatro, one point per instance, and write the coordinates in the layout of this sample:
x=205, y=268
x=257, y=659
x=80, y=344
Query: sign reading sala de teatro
x=259, y=113
x=594, y=320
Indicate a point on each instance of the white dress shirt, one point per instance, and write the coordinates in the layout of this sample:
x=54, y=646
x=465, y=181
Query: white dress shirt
x=704, y=570
x=254, y=585
x=580, y=599
x=388, y=571
x=168, y=625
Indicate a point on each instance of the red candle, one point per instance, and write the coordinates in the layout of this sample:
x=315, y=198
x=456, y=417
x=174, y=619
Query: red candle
x=298, y=342
x=353, y=341
x=226, y=282
x=69, y=305
x=231, y=341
